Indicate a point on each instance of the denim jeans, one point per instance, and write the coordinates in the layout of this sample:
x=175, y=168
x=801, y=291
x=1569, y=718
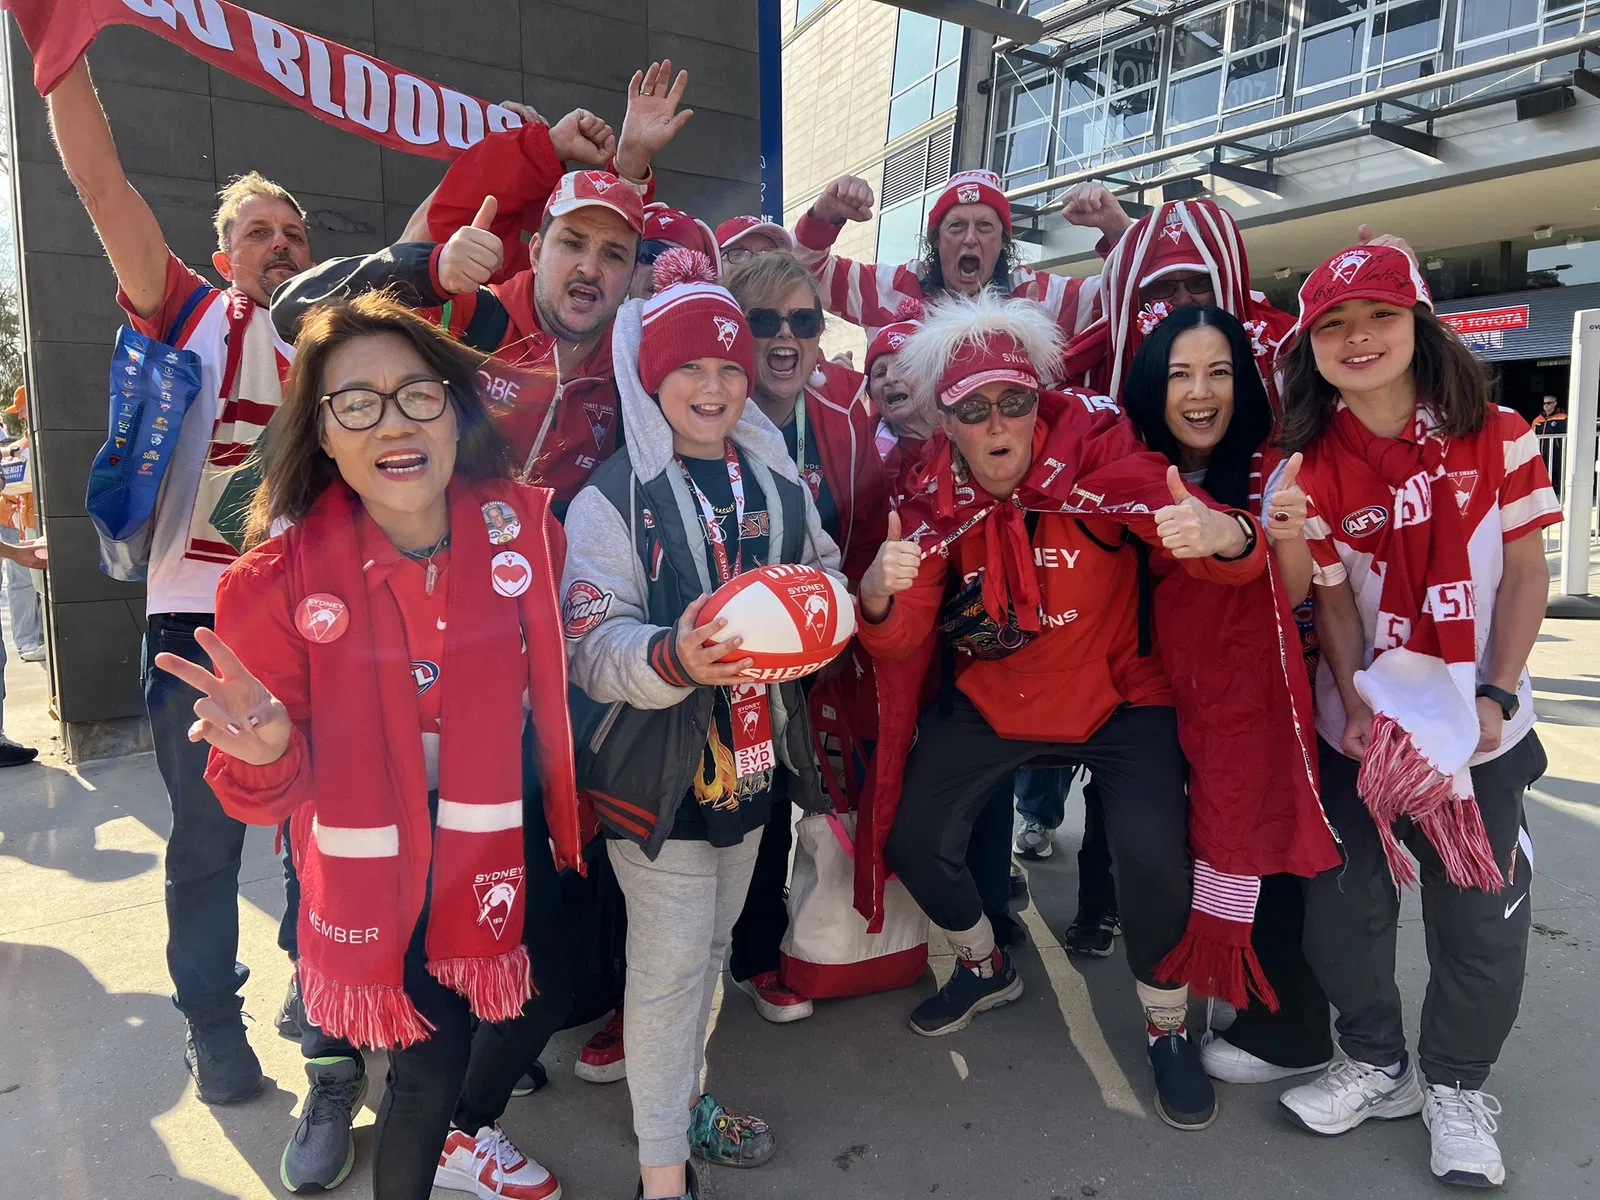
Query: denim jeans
x=1042, y=794
x=206, y=844
x=27, y=622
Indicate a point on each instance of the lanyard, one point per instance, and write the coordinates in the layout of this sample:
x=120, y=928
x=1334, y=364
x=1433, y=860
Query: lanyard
x=800, y=432
x=713, y=524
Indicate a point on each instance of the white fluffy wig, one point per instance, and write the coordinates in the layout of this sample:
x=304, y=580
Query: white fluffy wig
x=953, y=322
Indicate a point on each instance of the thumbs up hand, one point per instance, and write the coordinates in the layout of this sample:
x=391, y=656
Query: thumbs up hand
x=1189, y=529
x=894, y=570
x=472, y=255
x=1286, y=507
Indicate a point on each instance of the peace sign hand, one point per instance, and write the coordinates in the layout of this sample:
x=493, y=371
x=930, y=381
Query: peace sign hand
x=237, y=714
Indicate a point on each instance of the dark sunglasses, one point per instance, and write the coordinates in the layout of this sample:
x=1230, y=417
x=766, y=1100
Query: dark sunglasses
x=651, y=249
x=362, y=408
x=974, y=410
x=803, y=322
x=1166, y=289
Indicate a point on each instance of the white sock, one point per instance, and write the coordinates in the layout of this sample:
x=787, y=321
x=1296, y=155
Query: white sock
x=1166, y=1010
x=975, y=944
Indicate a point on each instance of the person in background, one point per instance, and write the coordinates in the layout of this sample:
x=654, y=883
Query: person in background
x=904, y=409
x=1196, y=396
x=829, y=438
x=684, y=857
x=1550, y=427
x=22, y=598
x=262, y=243
x=1425, y=508
x=664, y=228
x=739, y=239
x=969, y=246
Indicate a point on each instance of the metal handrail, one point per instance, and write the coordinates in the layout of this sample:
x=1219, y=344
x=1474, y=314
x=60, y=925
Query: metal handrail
x=1333, y=108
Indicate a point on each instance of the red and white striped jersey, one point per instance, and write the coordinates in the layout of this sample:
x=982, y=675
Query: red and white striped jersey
x=1505, y=494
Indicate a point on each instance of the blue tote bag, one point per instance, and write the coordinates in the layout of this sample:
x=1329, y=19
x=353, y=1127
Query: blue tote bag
x=152, y=386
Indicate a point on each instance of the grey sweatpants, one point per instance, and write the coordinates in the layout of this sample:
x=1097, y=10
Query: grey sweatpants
x=1477, y=941
x=681, y=911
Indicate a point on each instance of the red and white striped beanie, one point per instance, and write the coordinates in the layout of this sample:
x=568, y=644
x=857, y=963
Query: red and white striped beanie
x=970, y=187
x=690, y=317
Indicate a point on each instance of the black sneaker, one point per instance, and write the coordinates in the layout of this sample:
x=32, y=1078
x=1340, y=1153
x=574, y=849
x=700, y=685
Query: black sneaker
x=291, y=1018
x=694, y=1185
x=219, y=1057
x=1019, y=885
x=15, y=754
x=1091, y=936
x=533, y=1081
x=319, y=1156
x=1009, y=933
x=1185, y=1098
x=973, y=988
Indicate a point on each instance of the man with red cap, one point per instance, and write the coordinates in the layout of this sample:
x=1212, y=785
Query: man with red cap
x=969, y=246
x=664, y=228
x=742, y=238
x=1051, y=517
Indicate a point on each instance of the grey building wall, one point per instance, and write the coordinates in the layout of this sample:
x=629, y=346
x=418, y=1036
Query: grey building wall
x=183, y=128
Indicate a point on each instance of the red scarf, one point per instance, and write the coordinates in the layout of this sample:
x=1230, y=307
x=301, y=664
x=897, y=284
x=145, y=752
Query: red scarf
x=1232, y=654
x=1423, y=680
x=372, y=863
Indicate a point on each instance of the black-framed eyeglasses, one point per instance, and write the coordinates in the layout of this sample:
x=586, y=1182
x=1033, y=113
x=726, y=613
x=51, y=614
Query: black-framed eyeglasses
x=803, y=322
x=1166, y=289
x=362, y=408
x=974, y=410
x=734, y=255
x=651, y=249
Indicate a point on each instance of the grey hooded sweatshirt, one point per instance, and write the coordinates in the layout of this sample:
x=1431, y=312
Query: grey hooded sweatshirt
x=616, y=609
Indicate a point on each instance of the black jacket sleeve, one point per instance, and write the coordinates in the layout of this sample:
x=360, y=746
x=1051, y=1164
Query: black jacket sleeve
x=404, y=266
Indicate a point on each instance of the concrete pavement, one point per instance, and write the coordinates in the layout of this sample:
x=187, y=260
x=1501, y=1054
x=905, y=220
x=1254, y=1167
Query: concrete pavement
x=1044, y=1100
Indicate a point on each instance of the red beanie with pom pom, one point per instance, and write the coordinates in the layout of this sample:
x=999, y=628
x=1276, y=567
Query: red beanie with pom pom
x=907, y=320
x=690, y=317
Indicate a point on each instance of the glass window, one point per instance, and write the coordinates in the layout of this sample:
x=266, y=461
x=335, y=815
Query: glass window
x=916, y=48
x=1254, y=78
x=1257, y=21
x=1198, y=41
x=1030, y=101
x=804, y=8
x=1193, y=99
x=1405, y=31
x=1329, y=56
x=1136, y=64
x=899, y=229
x=1485, y=18
x=1568, y=264
x=1320, y=12
x=927, y=70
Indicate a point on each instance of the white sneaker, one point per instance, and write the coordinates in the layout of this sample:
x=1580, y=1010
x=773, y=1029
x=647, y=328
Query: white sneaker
x=34, y=655
x=1231, y=1064
x=491, y=1168
x=1349, y=1092
x=1034, y=840
x=1463, y=1125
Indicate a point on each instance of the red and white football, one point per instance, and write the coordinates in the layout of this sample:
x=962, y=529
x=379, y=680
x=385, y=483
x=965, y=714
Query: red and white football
x=794, y=619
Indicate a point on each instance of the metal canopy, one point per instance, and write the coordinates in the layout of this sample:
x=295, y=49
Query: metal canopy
x=974, y=14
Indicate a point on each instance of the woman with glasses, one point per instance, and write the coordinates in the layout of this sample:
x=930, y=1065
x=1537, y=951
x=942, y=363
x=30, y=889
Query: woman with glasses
x=1029, y=553
x=430, y=794
x=829, y=436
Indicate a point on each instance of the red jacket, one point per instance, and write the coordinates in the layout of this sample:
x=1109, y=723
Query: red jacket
x=838, y=416
x=256, y=603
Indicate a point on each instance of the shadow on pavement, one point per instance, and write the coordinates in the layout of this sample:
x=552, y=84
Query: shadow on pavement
x=54, y=827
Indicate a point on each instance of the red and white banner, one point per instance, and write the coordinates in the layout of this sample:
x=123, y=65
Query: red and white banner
x=357, y=92
x=1487, y=320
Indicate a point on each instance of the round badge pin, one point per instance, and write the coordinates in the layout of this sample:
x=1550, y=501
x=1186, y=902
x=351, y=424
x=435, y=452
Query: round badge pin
x=510, y=573
x=502, y=522
x=322, y=617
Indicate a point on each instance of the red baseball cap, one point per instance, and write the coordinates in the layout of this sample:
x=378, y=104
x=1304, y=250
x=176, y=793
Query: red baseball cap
x=999, y=357
x=1383, y=273
x=970, y=187
x=597, y=189
x=889, y=339
x=734, y=228
x=666, y=224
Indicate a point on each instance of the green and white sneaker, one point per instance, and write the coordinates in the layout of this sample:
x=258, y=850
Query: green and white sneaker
x=728, y=1139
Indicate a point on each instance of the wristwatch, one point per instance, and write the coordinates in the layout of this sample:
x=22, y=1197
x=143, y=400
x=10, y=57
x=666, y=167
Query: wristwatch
x=1507, y=701
x=1249, y=528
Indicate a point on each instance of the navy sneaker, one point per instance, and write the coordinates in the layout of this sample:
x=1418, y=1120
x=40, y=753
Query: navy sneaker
x=225, y=1068
x=973, y=987
x=1185, y=1098
x=291, y=1019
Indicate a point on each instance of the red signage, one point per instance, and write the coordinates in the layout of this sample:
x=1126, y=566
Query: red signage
x=1487, y=320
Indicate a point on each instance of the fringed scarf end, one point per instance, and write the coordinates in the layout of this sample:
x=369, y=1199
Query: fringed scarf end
x=379, y=1016
x=496, y=988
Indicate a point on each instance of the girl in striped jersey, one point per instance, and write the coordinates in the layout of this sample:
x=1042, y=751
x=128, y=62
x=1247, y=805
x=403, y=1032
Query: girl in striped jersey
x=1425, y=505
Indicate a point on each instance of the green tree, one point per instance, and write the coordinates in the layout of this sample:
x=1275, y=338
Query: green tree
x=11, y=350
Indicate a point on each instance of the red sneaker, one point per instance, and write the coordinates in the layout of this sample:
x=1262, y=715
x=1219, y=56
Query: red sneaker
x=488, y=1165
x=774, y=1001
x=602, y=1059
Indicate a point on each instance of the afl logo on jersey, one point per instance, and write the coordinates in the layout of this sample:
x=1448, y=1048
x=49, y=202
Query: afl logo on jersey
x=1366, y=521
x=424, y=674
